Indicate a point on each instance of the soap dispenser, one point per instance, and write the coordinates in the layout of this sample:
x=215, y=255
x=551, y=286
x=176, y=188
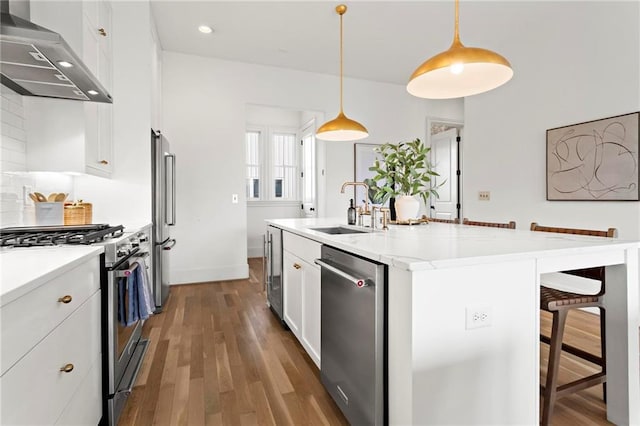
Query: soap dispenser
x=351, y=213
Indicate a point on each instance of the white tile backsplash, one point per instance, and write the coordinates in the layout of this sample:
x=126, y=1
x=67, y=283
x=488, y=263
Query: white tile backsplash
x=16, y=208
x=13, y=148
x=13, y=138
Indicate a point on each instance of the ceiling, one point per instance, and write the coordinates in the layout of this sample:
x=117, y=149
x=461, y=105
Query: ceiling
x=384, y=41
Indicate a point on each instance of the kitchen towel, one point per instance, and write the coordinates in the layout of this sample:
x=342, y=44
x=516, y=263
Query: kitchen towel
x=145, y=305
x=133, y=313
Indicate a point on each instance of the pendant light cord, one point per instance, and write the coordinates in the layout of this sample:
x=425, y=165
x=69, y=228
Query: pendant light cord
x=341, y=69
x=456, y=31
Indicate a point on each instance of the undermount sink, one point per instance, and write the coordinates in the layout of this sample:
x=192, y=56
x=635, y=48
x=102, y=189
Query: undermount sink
x=336, y=230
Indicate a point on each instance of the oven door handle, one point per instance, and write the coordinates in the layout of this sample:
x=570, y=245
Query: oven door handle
x=142, y=255
x=127, y=272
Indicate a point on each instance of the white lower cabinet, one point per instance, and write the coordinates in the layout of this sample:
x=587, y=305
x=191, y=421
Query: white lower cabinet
x=57, y=376
x=293, y=276
x=311, y=310
x=301, y=284
x=86, y=403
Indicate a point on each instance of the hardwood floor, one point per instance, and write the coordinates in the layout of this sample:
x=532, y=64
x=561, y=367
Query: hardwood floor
x=217, y=355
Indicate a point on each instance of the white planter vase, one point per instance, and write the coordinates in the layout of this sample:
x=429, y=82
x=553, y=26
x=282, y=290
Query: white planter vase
x=406, y=208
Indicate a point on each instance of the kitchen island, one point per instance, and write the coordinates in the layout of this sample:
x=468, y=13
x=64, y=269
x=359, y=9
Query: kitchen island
x=442, y=369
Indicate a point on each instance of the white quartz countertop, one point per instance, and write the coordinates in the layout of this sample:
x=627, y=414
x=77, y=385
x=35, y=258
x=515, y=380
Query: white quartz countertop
x=443, y=245
x=24, y=269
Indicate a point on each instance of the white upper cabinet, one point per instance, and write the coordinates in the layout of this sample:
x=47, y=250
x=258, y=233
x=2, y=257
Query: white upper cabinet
x=97, y=56
x=73, y=136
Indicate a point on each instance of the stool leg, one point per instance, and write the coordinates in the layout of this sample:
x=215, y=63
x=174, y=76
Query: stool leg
x=555, y=350
x=603, y=350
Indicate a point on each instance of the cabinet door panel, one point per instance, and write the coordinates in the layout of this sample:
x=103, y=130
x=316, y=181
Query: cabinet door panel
x=304, y=248
x=85, y=407
x=104, y=23
x=311, y=311
x=36, y=380
x=28, y=319
x=292, y=286
x=90, y=47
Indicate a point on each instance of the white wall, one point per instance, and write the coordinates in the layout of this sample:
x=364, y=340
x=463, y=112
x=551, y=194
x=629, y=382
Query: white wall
x=579, y=62
x=204, y=115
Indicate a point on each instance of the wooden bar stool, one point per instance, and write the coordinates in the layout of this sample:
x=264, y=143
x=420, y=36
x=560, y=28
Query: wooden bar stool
x=558, y=303
x=509, y=225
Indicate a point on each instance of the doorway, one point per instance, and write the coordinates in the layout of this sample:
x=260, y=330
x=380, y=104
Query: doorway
x=445, y=138
x=283, y=168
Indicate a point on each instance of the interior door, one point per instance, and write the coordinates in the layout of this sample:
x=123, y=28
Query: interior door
x=308, y=172
x=444, y=157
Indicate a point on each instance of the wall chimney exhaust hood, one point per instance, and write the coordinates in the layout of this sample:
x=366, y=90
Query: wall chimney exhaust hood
x=35, y=61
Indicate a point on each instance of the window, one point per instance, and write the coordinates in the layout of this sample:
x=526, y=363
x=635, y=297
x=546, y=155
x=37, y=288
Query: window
x=272, y=164
x=284, y=166
x=252, y=141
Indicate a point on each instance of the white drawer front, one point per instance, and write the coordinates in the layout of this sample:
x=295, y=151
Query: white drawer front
x=28, y=319
x=306, y=249
x=85, y=407
x=35, y=391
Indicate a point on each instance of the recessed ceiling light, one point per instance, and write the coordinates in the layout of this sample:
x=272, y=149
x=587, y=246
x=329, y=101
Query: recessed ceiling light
x=65, y=64
x=92, y=92
x=205, y=29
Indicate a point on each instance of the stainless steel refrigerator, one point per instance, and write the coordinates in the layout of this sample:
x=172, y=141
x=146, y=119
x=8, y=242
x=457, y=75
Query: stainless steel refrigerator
x=163, y=192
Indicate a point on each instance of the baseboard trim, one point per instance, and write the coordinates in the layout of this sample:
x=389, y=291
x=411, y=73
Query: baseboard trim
x=223, y=273
x=255, y=251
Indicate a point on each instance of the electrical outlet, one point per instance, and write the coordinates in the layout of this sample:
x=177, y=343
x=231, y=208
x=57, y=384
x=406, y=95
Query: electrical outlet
x=478, y=316
x=484, y=195
x=234, y=198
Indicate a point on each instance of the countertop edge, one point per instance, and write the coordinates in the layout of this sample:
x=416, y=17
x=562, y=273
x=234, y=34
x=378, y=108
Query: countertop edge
x=31, y=285
x=346, y=243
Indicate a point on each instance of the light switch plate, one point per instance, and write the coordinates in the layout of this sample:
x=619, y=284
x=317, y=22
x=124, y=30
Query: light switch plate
x=234, y=198
x=484, y=195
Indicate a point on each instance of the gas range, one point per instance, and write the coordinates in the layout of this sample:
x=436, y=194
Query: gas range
x=118, y=244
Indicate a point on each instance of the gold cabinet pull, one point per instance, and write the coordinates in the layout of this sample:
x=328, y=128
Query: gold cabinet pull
x=104, y=162
x=102, y=32
x=297, y=265
x=65, y=299
x=67, y=368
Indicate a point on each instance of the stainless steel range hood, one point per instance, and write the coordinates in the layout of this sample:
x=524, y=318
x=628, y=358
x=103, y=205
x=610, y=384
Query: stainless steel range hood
x=35, y=61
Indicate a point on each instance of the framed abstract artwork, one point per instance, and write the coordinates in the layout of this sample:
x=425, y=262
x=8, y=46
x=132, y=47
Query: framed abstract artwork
x=594, y=161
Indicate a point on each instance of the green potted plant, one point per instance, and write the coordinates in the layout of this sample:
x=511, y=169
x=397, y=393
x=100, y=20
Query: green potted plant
x=404, y=171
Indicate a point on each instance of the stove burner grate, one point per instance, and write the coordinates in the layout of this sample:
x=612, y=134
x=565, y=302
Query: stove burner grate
x=57, y=235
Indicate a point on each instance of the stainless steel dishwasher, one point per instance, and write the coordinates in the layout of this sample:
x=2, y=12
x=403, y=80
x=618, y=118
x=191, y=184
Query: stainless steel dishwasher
x=353, y=364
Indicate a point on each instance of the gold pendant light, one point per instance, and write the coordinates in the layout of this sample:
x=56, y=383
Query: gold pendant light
x=341, y=128
x=459, y=71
